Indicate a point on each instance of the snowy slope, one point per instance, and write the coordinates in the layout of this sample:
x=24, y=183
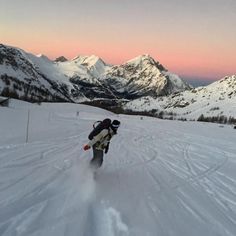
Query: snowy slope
x=85, y=68
x=159, y=178
x=216, y=99
x=49, y=68
x=21, y=77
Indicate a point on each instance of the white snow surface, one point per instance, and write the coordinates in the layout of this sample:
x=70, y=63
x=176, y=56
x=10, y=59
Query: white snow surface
x=165, y=178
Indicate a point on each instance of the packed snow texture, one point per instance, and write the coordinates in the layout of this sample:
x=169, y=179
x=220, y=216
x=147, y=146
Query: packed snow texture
x=159, y=177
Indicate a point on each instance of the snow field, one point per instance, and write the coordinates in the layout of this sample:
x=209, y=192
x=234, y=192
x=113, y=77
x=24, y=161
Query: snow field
x=159, y=178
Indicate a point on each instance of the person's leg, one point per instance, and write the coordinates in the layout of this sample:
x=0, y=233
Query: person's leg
x=97, y=160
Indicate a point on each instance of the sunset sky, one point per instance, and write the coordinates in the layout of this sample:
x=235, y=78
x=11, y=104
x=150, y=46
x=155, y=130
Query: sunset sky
x=192, y=38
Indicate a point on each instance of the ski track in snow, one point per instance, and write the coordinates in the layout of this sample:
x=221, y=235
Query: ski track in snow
x=159, y=178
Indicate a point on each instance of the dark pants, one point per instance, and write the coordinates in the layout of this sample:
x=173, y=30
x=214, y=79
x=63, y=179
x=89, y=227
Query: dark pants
x=97, y=160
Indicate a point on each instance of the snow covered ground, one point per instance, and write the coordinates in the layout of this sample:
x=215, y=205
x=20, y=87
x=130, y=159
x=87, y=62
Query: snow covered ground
x=159, y=178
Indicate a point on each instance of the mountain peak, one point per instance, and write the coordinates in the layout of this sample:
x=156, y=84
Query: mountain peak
x=61, y=59
x=141, y=58
x=43, y=57
x=224, y=84
x=89, y=60
x=145, y=60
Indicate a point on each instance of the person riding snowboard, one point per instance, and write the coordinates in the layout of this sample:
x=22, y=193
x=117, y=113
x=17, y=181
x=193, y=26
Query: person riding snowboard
x=100, y=139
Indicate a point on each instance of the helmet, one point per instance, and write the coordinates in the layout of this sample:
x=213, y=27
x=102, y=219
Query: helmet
x=115, y=124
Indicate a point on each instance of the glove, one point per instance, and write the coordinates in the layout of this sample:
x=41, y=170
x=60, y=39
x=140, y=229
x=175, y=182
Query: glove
x=86, y=147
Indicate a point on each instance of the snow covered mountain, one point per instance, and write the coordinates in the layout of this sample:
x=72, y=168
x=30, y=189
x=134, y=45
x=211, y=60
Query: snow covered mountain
x=29, y=77
x=61, y=59
x=21, y=78
x=215, y=100
x=144, y=76
x=143, y=81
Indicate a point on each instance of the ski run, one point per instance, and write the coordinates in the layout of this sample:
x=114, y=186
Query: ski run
x=160, y=177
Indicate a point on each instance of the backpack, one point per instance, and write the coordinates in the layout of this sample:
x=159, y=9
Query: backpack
x=98, y=126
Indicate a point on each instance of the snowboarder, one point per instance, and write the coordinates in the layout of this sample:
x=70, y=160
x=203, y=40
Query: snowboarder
x=100, y=139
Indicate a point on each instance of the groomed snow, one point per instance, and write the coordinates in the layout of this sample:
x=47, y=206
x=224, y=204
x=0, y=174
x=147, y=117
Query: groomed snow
x=159, y=178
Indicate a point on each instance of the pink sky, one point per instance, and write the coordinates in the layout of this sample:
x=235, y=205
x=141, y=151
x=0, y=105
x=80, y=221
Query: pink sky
x=190, y=38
